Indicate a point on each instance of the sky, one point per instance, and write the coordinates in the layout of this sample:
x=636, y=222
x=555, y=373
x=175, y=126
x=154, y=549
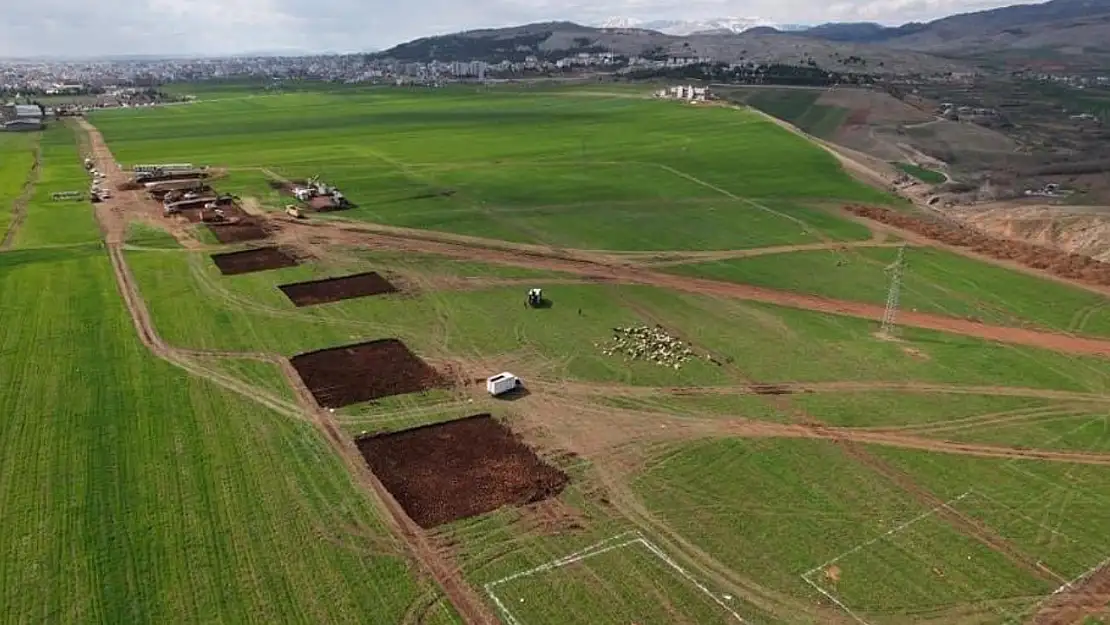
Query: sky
x=79, y=28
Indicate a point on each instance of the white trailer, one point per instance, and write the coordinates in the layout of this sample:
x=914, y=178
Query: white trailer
x=502, y=383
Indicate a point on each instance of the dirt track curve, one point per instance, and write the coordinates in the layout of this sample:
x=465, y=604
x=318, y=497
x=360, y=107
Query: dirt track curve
x=109, y=214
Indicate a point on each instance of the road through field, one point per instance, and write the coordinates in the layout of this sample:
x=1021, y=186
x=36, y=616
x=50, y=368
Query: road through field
x=112, y=215
x=614, y=268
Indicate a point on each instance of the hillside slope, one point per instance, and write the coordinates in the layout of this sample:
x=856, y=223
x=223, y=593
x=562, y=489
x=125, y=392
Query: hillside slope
x=554, y=39
x=1059, y=28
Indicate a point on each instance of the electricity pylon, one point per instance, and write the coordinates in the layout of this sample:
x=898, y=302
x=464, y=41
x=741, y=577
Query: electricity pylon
x=895, y=269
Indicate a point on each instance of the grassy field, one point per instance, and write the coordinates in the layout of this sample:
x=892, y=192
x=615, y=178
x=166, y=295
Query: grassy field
x=935, y=281
x=17, y=154
x=558, y=168
x=193, y=307
x=796, y=106
x=52, y=222
x=921, y=173
x=224, y=510
x=792, y=514
x=135, y=493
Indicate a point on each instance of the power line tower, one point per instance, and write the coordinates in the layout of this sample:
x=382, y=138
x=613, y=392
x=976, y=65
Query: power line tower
x=895, y=269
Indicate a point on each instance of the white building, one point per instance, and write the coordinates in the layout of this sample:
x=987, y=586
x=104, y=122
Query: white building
x=685, y=92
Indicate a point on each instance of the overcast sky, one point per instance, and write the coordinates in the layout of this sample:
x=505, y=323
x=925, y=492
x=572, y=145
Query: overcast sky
x=218, y=27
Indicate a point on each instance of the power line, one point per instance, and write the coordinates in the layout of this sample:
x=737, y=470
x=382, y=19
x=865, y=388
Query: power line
x=896, y=270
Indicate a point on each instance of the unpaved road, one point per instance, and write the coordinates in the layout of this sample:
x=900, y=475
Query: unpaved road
x=608, y=267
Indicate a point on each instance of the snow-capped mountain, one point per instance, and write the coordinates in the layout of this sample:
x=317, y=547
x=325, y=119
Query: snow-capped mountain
x=689, y=27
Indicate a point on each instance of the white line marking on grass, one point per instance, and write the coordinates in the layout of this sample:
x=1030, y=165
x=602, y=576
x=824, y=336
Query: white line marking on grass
x=1063, y=588
x=609, y=544
x=674, y=565
x=835, y=600
x=857, y=548
x=893, y=530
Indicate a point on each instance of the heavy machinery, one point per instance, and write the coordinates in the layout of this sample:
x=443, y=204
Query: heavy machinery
x=294, y=211
x=535, y=298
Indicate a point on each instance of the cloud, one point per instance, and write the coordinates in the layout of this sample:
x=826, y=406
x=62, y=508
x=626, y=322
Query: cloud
x=219, y=27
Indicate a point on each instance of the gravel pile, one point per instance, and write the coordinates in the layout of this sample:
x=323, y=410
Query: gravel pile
x=650, y=344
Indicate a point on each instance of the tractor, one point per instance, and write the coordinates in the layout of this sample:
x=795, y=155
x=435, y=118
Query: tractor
x=535, y=298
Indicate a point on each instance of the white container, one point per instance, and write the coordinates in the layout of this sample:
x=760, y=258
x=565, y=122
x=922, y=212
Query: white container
x=502, y=383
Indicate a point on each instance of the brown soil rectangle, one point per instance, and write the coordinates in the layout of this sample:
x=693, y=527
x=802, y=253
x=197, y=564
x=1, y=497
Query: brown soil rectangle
x=248, y=261
x=341, y=376
x=336, y=289
x=243, y=230
x=449, y=471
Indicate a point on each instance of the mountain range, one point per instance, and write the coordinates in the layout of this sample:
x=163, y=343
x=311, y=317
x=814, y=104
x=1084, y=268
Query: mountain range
x=722, y=25
x=1064, y=33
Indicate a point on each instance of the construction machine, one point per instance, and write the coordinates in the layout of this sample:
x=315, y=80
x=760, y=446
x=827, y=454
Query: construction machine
x=294, y=211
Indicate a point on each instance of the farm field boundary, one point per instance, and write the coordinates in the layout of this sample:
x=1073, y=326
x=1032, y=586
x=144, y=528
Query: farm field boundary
x=825, y=565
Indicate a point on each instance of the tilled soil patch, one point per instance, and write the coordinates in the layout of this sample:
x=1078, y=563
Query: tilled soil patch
x=243, y=230
x=449, y=471
x=341, y=376
x=336, y=289
x=248, y=261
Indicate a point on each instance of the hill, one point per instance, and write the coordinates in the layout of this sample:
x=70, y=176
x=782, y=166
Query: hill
x=1056, y=30
x=557, y=39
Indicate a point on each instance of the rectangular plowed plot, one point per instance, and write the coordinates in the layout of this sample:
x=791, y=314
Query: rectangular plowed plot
x=459, y=469
x=239, y=232
x=347, y=375
x=249, y=261
x=335, y=289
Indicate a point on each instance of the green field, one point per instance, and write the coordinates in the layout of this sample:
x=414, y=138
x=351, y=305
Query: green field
x=921, y=173
x=796, y=106
x=134, y=490
x=17, y=154
x=588, y=172
x=52, y=222
x=935, y=281
x=134, y=493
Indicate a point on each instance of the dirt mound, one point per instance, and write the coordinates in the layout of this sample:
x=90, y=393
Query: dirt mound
x=1085, y=232
x=1056, y=262
x=336, y=289
x=459, y=469
x=248, y=261
x=350, y=374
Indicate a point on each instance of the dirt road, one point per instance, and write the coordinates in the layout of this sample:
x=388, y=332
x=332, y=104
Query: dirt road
x=608, y=267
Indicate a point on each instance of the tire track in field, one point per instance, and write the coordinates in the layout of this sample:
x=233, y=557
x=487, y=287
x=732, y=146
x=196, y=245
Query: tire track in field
x=19, y=206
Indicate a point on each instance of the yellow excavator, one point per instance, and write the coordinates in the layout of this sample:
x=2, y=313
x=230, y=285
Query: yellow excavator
x=294, y=211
